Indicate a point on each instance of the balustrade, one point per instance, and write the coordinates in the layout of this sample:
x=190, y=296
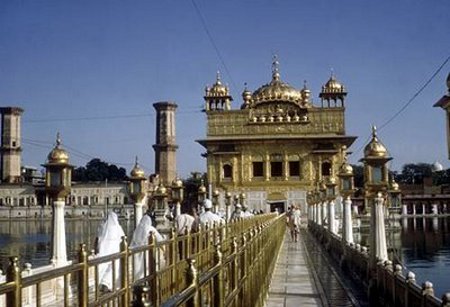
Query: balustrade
x=222, y=265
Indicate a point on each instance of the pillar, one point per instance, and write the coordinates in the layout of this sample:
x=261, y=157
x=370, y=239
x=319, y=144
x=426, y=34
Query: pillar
x=138, y=212
x=347, y=228
x=378, y=247
x=423, y=209
x=331, y=215
x=319, y=213
x=355, y=209
x=324, y=212
x=414, y=208
x=404, y=209
x=59, y=253
x=434, y=209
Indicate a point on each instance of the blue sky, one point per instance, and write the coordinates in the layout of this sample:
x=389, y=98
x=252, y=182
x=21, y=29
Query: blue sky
x=96, y=59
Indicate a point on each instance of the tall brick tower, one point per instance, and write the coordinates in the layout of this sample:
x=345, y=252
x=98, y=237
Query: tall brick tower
x=165, y=147
x=10, y=144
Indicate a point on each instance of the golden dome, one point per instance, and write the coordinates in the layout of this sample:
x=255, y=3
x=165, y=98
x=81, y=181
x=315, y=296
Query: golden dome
x=137, y=172
x=394, y=185
x=58, y=155
x=177, y=183
x=277, y=90
x=331, y=181
x=375, y=148
x=202, y=188
x=218, y=89
x=333, y=85
x=346, y=169
x=160, y=189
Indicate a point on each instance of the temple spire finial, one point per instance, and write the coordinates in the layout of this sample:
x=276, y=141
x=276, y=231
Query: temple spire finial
x=374, y=131
x=58, y=139
x=218, y=78
x=136, y=161
x=275, y=68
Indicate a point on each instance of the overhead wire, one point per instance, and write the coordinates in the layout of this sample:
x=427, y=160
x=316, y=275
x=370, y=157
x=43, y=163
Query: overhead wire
x=213, y=43
x=407, y=103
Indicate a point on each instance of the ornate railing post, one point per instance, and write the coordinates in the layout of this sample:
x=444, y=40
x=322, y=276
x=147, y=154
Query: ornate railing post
x=218, y=279
x=83, y=281
x=192, y=280
x=243, y=267
x=152, y=268
x=14, y=298
x=141, y=296
x=124, y=271
x=427, y=290
x=234, y=265
x=446, y=300
x=410, y=280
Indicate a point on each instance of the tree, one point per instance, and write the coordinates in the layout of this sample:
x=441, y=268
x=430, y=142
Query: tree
x=97, y=170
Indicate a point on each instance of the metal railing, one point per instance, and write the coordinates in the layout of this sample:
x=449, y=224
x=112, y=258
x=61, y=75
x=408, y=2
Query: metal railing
x=392, y=287
x=222, y=265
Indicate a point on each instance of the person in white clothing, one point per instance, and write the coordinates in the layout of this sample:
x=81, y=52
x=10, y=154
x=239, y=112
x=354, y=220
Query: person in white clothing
x=294, y=222
x=208, y=217
x=245, y=212
x=140, y=238
x=237, y=213
x=109, y=235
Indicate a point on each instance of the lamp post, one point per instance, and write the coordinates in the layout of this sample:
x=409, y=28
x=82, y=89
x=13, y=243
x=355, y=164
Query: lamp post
x=228, y=197
x=330, y=196
x=177, y=194
x=160, y=202
x=215, y=200
x=323, y=201
x=58, y=178
x=309, y=200
x=318, y=205
x=346, y=182
x=137, y=191
x=395, y=198
x=376, y=185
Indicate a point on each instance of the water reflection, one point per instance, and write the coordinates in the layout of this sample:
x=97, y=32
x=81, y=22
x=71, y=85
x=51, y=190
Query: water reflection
x=422, y=245
x=31, y=239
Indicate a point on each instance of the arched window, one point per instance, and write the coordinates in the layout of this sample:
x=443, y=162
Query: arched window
x=227, y=171
x=326, y=168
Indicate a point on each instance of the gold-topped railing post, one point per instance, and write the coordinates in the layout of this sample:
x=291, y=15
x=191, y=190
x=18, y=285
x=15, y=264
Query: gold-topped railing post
x=124, y=271
x=83, y=277
x=14, y=298
x=192, y=280
x=218, y=279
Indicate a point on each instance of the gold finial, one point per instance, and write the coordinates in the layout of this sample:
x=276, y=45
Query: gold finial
x=136, y=162
x=305, y=84
x=332, y=75
x=218, y=79
x=58, y=139
x=275, y=68
x=374, y=131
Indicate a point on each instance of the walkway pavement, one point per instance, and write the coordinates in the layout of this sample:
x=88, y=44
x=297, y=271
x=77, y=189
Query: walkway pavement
x=292, y=281
x=302, y=272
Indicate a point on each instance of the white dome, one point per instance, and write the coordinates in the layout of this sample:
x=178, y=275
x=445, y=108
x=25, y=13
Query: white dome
x=437, y=167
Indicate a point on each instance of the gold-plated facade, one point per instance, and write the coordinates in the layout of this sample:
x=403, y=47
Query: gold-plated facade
x=276, y=145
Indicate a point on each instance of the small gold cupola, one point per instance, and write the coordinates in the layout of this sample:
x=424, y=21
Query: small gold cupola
x=137, y=171
x=333, y=91
x=58, y=155
x=217, y=97
x=375, y=148
x=246, y=97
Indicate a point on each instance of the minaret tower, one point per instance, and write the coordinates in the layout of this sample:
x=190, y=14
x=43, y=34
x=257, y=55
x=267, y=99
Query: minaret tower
x=11, y=145
x=165, y=147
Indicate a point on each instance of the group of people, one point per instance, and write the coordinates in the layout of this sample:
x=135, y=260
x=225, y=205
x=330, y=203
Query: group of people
x=110, y=234
x=108, y=240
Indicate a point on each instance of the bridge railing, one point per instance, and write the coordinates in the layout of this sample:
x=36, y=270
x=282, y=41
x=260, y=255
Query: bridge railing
x=217, y=264
x=393, y=288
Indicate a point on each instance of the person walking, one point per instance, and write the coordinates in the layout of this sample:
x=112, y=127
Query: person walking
x=294, y=222
x=109, y=235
